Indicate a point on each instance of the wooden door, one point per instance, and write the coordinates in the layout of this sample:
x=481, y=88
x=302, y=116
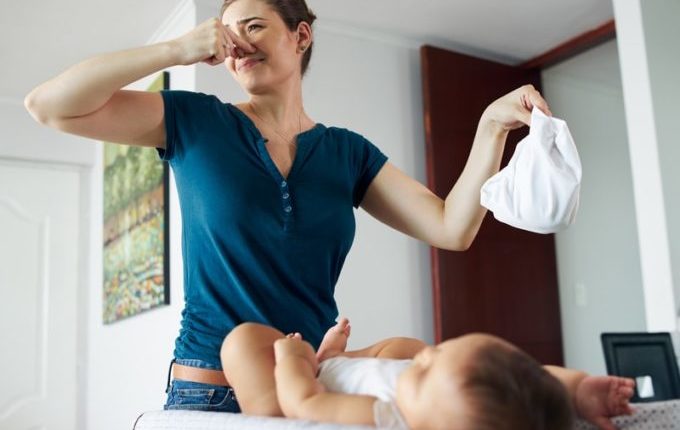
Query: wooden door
x=506, y=283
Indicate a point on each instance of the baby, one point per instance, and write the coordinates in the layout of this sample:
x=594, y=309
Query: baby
x=475, y=381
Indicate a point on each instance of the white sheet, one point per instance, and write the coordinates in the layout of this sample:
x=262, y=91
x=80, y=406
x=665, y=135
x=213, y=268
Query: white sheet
x=648, y=416
x=197, y=420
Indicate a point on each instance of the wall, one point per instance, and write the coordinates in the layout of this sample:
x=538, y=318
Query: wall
x=597, y=258
x=24, y=138
x=646, y=33
x=660, y=23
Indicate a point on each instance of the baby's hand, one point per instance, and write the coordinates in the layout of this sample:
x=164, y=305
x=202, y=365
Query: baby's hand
x=600, y=397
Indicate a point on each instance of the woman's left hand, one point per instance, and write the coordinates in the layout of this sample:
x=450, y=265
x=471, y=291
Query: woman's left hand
x=513, y=110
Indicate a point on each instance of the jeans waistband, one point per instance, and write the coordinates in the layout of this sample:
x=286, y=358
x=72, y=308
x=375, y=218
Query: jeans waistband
x=192, y=362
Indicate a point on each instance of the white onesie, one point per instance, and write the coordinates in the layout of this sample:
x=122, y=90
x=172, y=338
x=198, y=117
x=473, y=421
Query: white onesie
x=368, y=376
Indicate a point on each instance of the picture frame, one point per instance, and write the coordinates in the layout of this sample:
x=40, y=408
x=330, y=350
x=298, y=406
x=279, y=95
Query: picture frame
x=649, y=359
x=135, y=227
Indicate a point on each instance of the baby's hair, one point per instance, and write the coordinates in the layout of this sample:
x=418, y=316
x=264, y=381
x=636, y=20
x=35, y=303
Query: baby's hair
x=507, y=389
x=292, y=12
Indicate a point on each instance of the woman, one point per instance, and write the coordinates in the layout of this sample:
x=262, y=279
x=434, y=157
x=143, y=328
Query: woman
x=266, y=193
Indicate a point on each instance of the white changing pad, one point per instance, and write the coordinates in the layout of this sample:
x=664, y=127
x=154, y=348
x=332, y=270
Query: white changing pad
x=648, y=416
x=198, y=420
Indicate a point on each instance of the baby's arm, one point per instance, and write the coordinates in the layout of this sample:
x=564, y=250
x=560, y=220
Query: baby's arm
x=596, y=398
x=568, y=377
x=301, y=395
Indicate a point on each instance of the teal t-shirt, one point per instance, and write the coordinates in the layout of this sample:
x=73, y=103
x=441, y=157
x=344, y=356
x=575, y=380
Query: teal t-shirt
x=255, y=246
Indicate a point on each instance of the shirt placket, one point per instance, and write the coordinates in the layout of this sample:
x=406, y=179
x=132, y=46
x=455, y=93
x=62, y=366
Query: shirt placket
x=286, y=204
x=284, y=185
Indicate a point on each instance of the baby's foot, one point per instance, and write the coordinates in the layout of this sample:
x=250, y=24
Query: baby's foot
x=335, y=340
x=600, y=397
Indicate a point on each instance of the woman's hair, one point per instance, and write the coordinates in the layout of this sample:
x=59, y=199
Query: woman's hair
x=507, y=389
x=292, y=12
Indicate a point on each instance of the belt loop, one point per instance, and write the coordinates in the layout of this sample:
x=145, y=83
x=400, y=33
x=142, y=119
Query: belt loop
x=167, y=387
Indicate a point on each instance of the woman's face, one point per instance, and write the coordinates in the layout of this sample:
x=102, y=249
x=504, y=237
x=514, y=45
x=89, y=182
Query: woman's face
x=277, y=56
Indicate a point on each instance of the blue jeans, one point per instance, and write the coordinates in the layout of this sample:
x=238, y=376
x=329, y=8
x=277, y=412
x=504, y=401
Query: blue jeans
x=197, y=396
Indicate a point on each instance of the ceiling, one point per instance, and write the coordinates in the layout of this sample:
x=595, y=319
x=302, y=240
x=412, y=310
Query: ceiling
x=39, y=39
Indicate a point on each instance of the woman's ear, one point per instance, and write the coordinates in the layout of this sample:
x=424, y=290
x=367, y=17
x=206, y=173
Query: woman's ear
x=304, y=36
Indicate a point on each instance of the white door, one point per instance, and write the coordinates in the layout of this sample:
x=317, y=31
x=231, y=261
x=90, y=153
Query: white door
x=39, y=224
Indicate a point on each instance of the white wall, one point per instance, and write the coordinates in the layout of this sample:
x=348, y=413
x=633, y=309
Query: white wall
x=597, y=258
x=23, y=138
x=662, y=33
x=646, y=33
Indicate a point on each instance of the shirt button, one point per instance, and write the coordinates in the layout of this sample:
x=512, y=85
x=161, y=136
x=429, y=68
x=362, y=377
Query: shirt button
x=283, y=184
x=288, y=209
x=286, y=195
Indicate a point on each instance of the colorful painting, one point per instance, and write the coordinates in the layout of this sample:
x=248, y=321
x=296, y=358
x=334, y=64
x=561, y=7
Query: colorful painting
x=136, y=271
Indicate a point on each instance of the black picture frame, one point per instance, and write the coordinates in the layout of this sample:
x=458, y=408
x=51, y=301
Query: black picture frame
x=639, y=355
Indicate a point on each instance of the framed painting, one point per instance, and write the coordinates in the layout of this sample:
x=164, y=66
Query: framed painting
x=136, y=226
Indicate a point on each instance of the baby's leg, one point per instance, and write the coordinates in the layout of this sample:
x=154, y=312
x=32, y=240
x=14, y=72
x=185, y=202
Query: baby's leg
x=248, y=361
x=335, y=340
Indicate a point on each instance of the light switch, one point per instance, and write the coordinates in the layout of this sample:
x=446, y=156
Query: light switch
x=580, y=295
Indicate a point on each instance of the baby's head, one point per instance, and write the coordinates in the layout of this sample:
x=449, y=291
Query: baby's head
x=481, y=382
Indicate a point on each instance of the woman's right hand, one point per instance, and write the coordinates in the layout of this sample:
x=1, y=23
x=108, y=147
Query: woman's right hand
x=211, y=42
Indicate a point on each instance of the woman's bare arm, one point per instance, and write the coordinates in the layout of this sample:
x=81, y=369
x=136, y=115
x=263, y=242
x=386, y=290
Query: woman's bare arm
x=85, y=87
x=87, y=99
x=405, y=204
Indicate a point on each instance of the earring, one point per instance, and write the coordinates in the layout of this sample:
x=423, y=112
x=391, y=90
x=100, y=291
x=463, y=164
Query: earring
x=302, y=48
